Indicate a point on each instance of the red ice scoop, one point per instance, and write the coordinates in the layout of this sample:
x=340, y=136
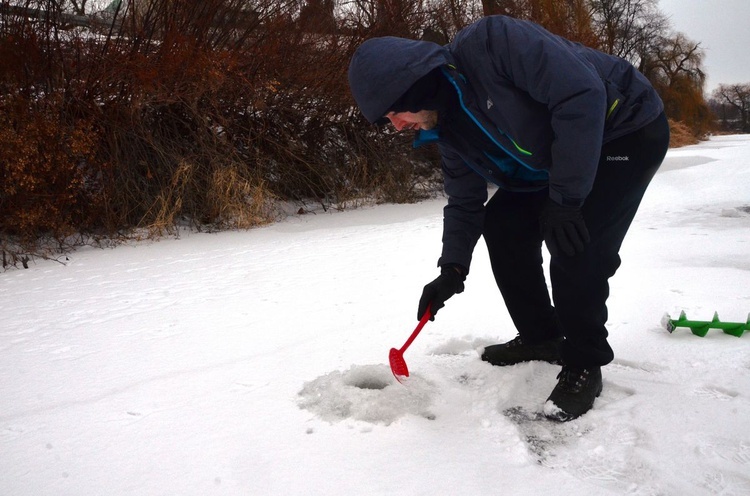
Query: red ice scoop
x=396, y=357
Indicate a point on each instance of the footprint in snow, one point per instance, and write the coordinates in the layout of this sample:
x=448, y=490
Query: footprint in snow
x=544, y=439
x=715, y=392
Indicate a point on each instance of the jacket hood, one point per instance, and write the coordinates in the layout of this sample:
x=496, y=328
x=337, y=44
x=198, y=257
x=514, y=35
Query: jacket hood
x=383, y=69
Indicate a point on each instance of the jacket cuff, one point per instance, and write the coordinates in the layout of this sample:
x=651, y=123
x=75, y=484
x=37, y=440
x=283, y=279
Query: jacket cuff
x=565, y=201
x=459, y=269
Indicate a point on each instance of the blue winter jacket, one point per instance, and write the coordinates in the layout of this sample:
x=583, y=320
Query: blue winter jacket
x=549, y=104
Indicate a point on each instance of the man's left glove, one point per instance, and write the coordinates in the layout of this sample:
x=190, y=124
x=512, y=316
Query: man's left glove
x=449, y=282
x=563, y=229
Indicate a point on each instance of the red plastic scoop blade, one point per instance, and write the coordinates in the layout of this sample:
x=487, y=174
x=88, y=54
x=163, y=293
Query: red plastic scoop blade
x=398, y=364
x=396, y=357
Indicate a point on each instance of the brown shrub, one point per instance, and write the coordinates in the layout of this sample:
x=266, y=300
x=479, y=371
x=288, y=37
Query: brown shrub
x=182, y=121
x=680, y=134
x=46, y=186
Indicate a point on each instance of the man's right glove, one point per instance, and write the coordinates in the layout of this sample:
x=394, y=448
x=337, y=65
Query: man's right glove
x=564, y=229
x=449, y=282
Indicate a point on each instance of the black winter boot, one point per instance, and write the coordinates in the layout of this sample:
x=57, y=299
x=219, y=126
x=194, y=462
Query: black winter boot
x=516, y=351
x=574, y=394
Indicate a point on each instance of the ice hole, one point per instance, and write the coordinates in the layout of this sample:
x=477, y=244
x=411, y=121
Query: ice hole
x=368, y=377
x=370, y=383
x=362, y=393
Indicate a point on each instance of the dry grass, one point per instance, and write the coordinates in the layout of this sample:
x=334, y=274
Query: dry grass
x=680, y=135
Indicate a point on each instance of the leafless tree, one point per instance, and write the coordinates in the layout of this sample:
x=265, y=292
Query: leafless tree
x=736, y=97
x=318, y=16
x=626, y=28
x=512, y=8
x=672, y=59
x=79, y=6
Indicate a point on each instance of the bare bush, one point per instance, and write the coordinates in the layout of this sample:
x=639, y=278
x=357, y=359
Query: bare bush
x=180, y=112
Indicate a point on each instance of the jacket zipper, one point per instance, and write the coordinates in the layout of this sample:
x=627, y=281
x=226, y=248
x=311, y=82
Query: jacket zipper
x=479, y=124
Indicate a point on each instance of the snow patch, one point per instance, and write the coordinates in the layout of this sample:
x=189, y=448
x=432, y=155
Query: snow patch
x=552, y=411
x=368, y=393
x=456, y=346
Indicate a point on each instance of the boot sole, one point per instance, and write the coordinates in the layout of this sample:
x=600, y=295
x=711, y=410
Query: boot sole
x=499, y=363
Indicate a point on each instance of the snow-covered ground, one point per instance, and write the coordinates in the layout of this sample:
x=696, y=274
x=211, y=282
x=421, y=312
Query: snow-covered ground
x=255, y=363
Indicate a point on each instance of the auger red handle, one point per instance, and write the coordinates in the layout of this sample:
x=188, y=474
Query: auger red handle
x=417, y=330
x=396, y=357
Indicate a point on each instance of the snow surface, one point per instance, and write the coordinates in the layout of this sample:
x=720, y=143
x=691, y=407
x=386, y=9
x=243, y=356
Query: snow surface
x=255, y=363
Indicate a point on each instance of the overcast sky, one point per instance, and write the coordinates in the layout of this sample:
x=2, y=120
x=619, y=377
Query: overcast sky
x=723, y=28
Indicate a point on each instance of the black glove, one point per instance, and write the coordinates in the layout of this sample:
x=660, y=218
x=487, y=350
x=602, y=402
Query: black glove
x=450, y=282
x=563, y=229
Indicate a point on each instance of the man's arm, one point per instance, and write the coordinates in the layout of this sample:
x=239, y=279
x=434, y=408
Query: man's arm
x=463, y=216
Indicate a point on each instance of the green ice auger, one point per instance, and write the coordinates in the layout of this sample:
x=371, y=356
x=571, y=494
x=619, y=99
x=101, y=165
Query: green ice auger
x=701, y=327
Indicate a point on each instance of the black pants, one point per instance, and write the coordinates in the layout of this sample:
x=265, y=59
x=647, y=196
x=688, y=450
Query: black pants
x=580, y=286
